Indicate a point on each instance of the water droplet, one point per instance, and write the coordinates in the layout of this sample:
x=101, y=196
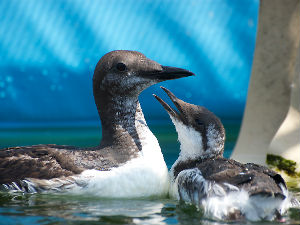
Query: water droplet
x=53, y=87
x=13, y=95
x=9, y=79
x=250, y=23
x=45, y=72
x=2, y=94
x=237, y=95
x=188, y=94
x=22, y=69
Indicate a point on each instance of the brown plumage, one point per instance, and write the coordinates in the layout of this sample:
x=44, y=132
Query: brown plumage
x=256, y=179
x=53, y=161
x=202, y=176
x=119, y=78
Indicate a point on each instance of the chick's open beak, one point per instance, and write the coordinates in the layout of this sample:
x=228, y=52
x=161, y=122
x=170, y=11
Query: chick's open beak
x=177, y=102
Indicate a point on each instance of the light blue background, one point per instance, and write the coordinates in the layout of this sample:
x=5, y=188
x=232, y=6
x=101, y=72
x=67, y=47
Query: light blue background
x=48, y=51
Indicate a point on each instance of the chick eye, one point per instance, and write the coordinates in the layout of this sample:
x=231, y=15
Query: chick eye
x=121, y=67
x=199, y=122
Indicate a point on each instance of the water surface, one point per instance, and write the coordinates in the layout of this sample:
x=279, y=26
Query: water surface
x=70, y=209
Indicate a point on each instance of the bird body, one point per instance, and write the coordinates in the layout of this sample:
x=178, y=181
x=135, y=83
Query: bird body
x=127, y=163
x=223, y=188
x=54, y=168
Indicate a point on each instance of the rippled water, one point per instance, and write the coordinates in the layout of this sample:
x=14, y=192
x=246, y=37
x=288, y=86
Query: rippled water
x=64, y=209
x=67, y=209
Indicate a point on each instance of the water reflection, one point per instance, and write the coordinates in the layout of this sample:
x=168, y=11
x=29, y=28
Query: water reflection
x=69, y=209
x=76, y=208
x=62, y=209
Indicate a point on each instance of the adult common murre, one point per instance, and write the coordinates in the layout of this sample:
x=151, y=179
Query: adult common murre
x=223, y=188
x=128, y=162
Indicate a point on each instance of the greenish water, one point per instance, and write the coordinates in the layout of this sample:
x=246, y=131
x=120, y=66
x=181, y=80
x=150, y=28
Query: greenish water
x=91, y=135
x=68, y=209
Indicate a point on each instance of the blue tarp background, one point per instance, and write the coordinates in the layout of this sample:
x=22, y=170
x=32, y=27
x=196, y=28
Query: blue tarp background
x=48, y=51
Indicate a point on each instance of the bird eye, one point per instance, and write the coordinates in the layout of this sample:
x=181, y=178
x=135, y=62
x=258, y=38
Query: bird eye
x=199, y=122
x=121, y=67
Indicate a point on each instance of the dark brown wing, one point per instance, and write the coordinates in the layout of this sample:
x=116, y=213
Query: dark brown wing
x=39, y=161
x=54, y=161
x=262, y=169
x=256, y=179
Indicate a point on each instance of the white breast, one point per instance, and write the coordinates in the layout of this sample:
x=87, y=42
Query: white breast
x=144, y=176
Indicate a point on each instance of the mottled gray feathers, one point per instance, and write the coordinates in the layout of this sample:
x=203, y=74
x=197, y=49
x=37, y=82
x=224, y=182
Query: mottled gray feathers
x=53, y=161
x=255, y=179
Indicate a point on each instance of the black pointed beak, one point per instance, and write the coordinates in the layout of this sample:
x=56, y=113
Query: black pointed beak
x=168, y=73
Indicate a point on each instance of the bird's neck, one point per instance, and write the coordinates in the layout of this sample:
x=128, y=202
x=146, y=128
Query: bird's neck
x=194, y=145
x=192, y=149
x=123, y=122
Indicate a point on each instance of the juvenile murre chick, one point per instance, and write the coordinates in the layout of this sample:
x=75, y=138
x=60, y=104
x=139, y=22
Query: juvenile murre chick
x=224, y=188
x=128, y=162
